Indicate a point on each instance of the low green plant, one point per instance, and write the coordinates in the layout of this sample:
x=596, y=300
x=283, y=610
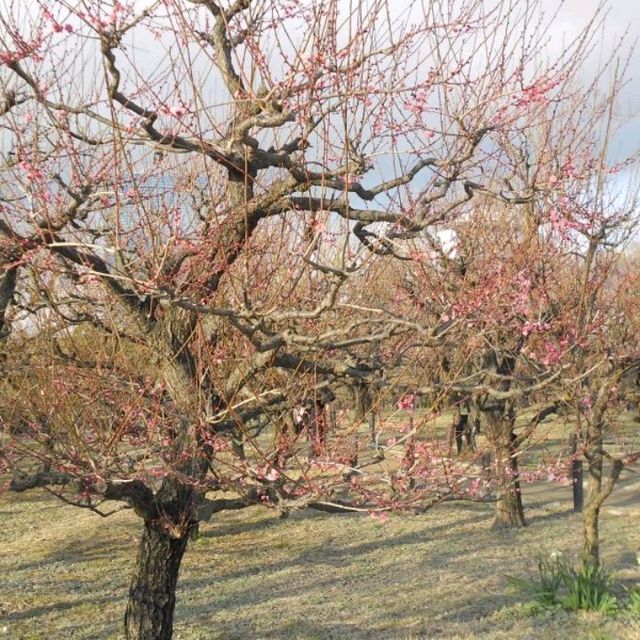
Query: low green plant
x=559, y=583
x=588, y=588
x=543, y=588
x=633, y=605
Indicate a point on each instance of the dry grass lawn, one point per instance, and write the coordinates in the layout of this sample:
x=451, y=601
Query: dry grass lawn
x=314, y=576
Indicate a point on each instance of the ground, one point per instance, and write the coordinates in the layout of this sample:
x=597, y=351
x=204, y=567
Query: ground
x=250, y=575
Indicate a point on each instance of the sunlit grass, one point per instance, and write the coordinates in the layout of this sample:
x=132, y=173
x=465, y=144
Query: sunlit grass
x=251, y=575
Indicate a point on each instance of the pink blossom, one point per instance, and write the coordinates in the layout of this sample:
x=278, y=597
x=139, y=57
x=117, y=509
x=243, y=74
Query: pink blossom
x=534, y=327
x=407, y=402
x=418, y=102
x=33, y=173
x=535, y=94
x=475, y=486
x=552, y=354
x=586, y=402
x=272, y=475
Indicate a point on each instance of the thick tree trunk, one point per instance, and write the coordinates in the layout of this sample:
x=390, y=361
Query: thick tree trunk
x=509, y=510
x=509, y=507
x=461, y=432
x=152, y=595
x=8, y=280
x=362, y=401
x=456, y=416
x=373, y=431
x=361, y=406
x=499, y=431
x=597, y=492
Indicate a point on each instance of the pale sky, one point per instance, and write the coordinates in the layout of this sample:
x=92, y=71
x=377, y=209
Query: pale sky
x=621, y=16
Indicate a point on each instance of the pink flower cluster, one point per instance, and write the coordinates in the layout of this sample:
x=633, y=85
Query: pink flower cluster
x=407, y=402
x=177, y=112
x=24, y=49
x=418, y=102
x=552, y=354
x=55, y=25
x=525, y=284
x=535, y=94
x=529, y=328
x=32, y=171
x=562, y=224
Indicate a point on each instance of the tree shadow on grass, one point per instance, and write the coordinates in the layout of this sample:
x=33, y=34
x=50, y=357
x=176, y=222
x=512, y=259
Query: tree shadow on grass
x=547, y=517
x=630, y=501
x=237, y=614
x=326, y=573
x=220, y=530
x=318, y=630
x=320, y=554
x=77, y=551
x=276, y=588
x=629, y=559
x=41, y=610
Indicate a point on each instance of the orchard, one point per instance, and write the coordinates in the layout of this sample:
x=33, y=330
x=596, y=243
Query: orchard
x=339, y=256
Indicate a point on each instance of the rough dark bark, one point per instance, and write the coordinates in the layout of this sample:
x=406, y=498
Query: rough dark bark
x=373, y=430
x=361, y=406
x=8, y=281
x=498, y=417
x=461, y=431
x=170, y=517
x=576, y=475
x=499, y=423
x=509, y=507
x=152, y=594
x=362, y=401
x=453, y=428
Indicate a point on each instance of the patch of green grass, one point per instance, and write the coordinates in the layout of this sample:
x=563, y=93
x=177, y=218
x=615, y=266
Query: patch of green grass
x=587, y=587
x=633, y=604
x=543, y=588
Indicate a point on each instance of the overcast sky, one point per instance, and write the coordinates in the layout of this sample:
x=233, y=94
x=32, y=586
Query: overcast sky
x=621, y=16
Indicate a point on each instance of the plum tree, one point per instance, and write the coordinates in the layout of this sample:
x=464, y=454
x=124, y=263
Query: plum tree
x=197, y=198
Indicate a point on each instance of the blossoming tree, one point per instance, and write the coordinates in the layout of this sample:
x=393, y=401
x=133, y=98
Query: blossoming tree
x=196, y=196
